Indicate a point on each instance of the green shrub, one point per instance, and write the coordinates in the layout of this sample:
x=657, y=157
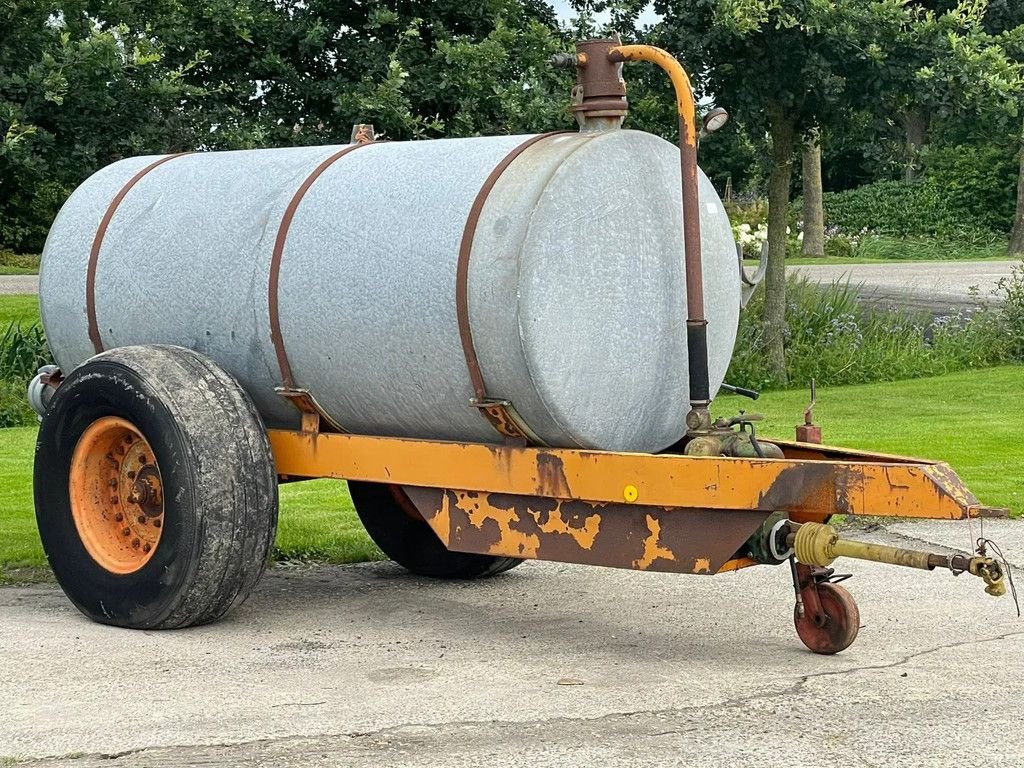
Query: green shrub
x=904, y=209
x=833, y=339
x=979, y=183
x=1012, y=310
x=18, y=260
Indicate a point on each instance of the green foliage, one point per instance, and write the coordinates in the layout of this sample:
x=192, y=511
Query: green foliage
x=966, y=247
x=23, y=350
x=14, y=408
x=17, y=263
x=75, y=94
x=833, y=339
x=904, y=209
x=977, y=182
x=81, y=87
x=1012, y=311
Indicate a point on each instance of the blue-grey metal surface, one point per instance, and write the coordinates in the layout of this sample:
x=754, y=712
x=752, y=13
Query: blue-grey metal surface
x=576, y=285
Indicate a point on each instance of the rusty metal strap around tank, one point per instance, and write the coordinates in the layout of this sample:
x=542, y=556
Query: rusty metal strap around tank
x=498, y=411
x=97, y=243
x=298, y=397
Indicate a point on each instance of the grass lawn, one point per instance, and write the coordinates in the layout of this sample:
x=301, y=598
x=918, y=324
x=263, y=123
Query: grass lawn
x=21, y=308
x=970, y=420
x=17, y=271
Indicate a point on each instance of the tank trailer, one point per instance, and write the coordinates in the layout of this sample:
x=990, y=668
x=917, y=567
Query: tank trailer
x=508, y=346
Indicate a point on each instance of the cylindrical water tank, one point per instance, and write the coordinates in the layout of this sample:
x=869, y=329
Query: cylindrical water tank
x=335, y=270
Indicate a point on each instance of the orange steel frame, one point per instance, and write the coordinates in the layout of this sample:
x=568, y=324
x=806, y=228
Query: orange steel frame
x=810, y=484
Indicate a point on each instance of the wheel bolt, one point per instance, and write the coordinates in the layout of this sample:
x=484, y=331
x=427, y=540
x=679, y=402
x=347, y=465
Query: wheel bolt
x=135, y=543
x=118, y=517
x=126, y=531
x=146, y=547
x=157, y=523
x=142, y=519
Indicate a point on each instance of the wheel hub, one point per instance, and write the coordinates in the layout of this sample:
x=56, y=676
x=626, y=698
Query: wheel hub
x=116, y=495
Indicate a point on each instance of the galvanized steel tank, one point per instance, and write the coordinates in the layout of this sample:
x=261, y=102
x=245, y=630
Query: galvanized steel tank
x=575, y=284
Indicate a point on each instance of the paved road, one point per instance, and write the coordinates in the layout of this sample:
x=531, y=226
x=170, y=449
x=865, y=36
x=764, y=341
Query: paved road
x=938, y=287
x=10, y=284
x=364, y=666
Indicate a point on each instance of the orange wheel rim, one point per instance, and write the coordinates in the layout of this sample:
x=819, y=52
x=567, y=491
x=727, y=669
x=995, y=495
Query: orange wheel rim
x=116, y=495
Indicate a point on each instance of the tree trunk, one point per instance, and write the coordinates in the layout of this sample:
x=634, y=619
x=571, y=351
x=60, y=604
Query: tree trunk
x=782, y=132
x=915, y=125
x=814, y=211
x=1017, y=235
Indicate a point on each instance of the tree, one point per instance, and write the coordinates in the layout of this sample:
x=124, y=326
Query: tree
x=87, y=82
x=74, y=97
x=792, y=65
x=784, y=66
x=814, y=212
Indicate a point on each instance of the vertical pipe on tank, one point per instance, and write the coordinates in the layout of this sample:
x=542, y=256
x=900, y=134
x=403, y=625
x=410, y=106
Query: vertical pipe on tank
x=699, y=417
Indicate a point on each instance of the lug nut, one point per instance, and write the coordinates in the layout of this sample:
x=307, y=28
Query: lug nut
x=142, y=519
x=114, y=500
x=146, y=548
x=157, y=523
x=135, y=543
x=118, y=517
x=142, y=459
x=113, y=483
x=126, y=531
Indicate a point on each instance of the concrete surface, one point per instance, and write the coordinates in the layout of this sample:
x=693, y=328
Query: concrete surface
x=940, y=287
x=365, y=666
x=11, y=284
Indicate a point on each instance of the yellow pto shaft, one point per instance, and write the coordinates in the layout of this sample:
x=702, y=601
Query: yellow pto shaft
x=818, y=544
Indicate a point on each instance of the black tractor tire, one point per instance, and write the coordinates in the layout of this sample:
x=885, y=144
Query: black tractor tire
x=402, y=535
x=219, y=485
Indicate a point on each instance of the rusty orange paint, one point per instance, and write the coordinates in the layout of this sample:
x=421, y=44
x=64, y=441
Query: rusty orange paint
x=616, y=535
x=809, y=489
x=116, y=495
x=737, y=564
x=653, y=550
x=510, y=541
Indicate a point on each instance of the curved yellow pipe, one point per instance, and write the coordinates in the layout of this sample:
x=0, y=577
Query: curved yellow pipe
x=699, y=417
x=680, y=80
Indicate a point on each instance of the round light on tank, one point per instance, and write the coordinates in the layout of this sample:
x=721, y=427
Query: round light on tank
x=715, y=119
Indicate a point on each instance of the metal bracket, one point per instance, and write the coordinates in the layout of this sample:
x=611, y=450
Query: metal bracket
x=504, y=418
x=314, y=418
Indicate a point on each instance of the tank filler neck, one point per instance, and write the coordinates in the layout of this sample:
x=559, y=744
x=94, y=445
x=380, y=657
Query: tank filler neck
x=599, y=96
